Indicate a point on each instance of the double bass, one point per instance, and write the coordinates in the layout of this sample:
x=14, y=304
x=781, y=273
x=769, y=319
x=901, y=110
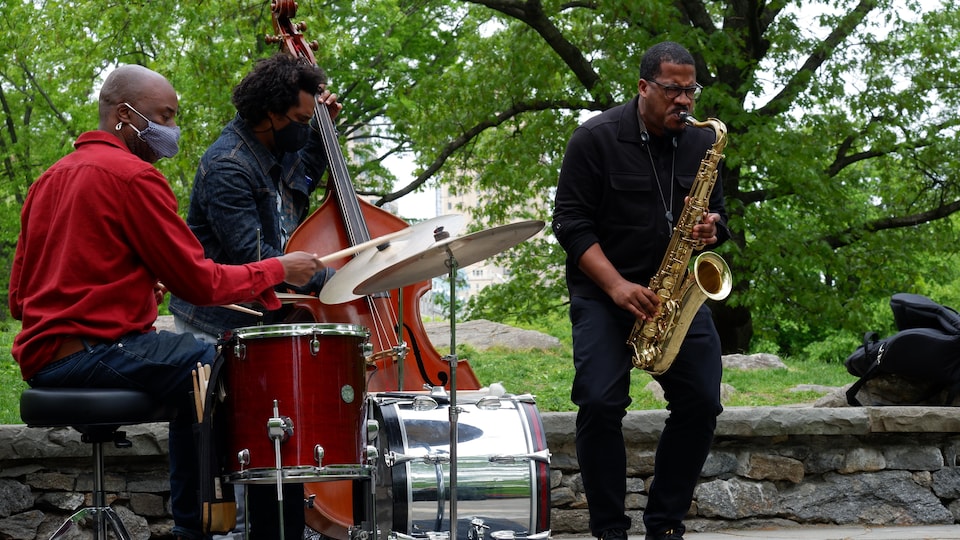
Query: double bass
x=343, y=220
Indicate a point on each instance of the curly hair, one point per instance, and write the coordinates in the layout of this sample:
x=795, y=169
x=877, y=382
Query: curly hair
x=274, y=85
x=666, y=51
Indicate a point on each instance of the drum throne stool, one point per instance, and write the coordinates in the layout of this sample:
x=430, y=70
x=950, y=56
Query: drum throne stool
x=98, y=414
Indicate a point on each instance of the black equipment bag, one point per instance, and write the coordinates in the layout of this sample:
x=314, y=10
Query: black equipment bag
x=218, y=505
x=926, y=348
x=915, y=311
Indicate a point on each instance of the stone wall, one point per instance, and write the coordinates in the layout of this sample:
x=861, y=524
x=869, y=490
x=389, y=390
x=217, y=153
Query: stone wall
x=779, y=465
x=789, y=466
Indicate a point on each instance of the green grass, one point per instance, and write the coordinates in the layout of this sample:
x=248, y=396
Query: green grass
x=547, y=374
x=11, y=384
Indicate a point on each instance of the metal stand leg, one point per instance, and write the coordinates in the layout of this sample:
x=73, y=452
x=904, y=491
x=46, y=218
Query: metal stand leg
x=101, y=513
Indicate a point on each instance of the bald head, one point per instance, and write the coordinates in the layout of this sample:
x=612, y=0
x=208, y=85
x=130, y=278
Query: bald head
x=131, y=96
x=131, y=84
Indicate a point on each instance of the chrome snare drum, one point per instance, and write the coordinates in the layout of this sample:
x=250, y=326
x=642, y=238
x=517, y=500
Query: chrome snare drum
x=295, y=402
x=503, y=466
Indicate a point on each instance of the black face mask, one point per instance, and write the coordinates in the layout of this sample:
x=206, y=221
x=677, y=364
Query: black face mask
x=292, y=137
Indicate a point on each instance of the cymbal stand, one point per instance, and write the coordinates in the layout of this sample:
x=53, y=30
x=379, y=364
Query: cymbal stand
x=454, y=409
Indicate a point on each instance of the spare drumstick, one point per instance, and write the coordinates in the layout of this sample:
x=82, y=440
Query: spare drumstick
x=206, y=382
x=201, y=375
x=198, y=401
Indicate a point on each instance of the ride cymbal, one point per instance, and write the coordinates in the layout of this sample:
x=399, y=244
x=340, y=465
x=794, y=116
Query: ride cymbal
x=340, y=288
x=434, y=260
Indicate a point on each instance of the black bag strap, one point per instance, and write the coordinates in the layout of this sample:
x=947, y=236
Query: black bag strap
x=869, y=338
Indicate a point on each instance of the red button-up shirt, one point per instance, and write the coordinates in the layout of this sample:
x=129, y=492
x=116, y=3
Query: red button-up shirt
x=98, y=230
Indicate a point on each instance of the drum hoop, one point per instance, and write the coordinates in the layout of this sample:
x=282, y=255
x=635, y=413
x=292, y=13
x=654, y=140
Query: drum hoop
x=296, y=330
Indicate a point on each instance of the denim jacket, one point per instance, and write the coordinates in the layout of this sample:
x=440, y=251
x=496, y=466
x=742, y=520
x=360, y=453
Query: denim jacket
x=238, y=217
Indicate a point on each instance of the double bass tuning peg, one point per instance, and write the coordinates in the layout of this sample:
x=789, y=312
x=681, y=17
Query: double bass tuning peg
x=273, y=40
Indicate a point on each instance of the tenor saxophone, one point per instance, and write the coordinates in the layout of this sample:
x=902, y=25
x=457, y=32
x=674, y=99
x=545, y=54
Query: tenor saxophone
x=682, y=290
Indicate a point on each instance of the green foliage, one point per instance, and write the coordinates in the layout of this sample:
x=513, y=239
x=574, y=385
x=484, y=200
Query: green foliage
x=11, y=383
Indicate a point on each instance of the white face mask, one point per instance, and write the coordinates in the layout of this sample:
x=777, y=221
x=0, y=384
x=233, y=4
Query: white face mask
x=163, y=140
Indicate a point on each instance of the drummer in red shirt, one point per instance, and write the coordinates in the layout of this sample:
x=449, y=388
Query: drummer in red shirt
x=99, y=232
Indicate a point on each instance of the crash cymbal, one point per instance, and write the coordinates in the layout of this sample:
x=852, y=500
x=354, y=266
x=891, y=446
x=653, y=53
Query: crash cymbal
x=466, y=250
x=339, y=288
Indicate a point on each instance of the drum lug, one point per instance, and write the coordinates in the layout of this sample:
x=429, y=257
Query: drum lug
x=315, y=345
x=372, y=453
x=543, y=456
x=373, y=430
x=318, y=455
x=239, y=351
x=243, y=458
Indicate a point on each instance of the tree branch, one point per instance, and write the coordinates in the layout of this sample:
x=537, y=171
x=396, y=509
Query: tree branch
x=530, y=12
x=851, y=235
x=468, y=135
x=786, y=97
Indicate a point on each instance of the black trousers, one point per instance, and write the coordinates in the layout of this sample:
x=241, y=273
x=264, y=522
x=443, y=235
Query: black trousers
x=601, y=390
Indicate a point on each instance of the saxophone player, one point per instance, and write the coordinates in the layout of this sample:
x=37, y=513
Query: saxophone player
x=624, y=179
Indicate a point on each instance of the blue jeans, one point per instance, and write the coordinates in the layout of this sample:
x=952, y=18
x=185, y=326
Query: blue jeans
x=158, y=363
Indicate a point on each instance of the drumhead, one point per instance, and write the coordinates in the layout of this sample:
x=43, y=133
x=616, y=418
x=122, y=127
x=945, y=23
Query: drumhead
x=297, y=329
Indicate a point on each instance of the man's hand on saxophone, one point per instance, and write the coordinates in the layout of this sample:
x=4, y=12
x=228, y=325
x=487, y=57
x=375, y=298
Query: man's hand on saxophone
x=640, y=301
x=706, y=230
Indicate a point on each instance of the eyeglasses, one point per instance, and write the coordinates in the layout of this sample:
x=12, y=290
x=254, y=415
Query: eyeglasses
x=672, y=91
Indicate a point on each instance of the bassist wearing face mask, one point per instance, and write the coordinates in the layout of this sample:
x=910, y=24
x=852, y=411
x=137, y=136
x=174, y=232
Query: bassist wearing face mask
x=250, y=193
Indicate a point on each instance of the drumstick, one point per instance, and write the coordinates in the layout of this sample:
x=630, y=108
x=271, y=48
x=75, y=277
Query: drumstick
x=346, y=252
x=242, y=309
x=196, y=396
x=206, y=381
x=353, y=250
x=203, y=384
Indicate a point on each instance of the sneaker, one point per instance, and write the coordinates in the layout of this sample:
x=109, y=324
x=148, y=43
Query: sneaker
x=613, y=534
x=669, y=534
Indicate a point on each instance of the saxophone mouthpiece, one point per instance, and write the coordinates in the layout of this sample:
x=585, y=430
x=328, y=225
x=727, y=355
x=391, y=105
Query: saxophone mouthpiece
x=687, y=118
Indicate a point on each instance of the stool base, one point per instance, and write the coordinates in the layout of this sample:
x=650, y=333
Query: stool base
x=102, y=516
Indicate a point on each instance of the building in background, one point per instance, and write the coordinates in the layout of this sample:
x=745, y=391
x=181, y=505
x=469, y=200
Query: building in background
x=471, y=279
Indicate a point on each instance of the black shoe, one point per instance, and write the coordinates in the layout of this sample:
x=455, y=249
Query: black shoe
x=613, y=534
x=669, y=534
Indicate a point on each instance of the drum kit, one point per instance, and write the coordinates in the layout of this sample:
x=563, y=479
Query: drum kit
x=298, y=410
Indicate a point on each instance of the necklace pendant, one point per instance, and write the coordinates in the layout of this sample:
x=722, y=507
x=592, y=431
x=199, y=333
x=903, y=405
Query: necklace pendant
x=669, y=216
